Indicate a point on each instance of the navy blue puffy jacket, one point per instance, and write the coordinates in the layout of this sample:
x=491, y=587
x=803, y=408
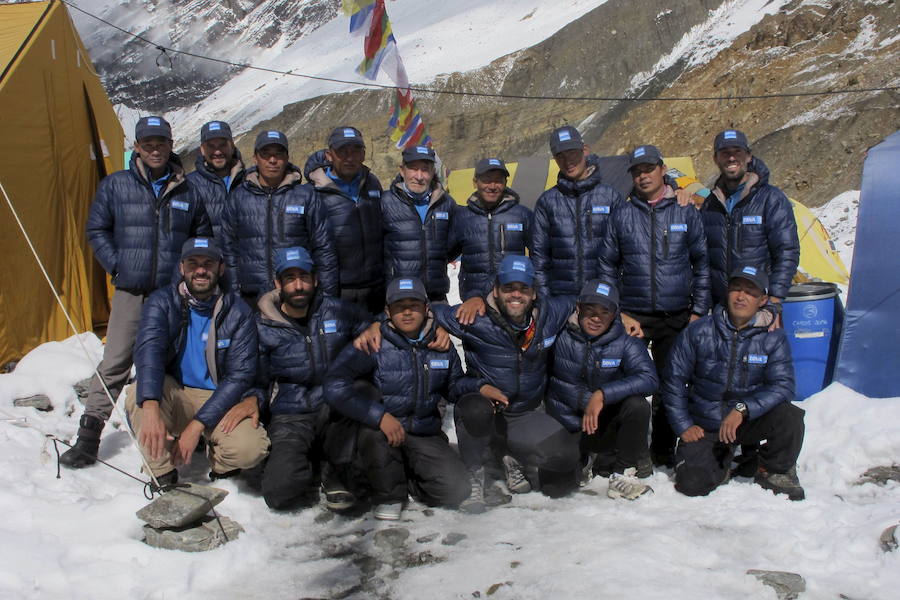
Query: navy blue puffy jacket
x=570, y=222
x=713, y=366
x=657, y=257
x=484, y=237
x=615, y=363
x=412, y=380
x=355, y=227
x=292, y=365
x=162, y=336
x=136, y=236
x=258, y=221
x=211, y=189
x=760, y=231
x=413, y=248
x=493, y=356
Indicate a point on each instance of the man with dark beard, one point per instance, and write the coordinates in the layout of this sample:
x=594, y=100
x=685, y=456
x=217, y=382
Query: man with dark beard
x=301, y=330
x=196, y=358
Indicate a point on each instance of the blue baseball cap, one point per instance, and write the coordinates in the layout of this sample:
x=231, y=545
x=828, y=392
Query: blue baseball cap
x=296, y=257
x=731, y=138
x=201, y=246
x=645, y=155
x=754, y=275
x=215, y=129
x=418, y=153
x=269, y=137
x=597, y=291
x=345, y=136
x=152, y=127
x=490, y=164
x=516, y=268
x=402, y=288
x=565, y=138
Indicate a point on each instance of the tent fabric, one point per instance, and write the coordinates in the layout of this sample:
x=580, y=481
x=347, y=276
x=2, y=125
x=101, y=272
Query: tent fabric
x=819, y=261
x=67, y=137
x=868, y=356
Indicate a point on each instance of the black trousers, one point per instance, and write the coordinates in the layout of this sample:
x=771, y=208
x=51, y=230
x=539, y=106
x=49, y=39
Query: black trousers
x=622, y=431
x=288, y=478
x=424, y=466
x=660, y=332
x=701, y=466
x=534, y=438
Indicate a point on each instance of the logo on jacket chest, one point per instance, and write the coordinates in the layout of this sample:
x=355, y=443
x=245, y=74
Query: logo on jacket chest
x=678, y=227
x=438, y=363
x=295, y=209
x=220, y=344
x=599, y=210
x=329, y=326
x=515, y=227
x=442, y=215
x=610, y=363
x=757, y=359
x=181, y=205
x=752, y=220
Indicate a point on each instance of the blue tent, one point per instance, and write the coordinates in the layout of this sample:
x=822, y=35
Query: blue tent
x=869, y=352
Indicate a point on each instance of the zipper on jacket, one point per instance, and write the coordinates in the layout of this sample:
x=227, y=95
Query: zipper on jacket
x=269, y=227
x=740, y=237
x=502, y=240
x=666, y=243
x=490, y=228
x=727, y=248
x=731, y=365
x=154, y=264
x=579, y=245
x=423, y=246
x=426, y=391
x=417, y=389
x=312, y=358
x=652, y=258
x=323, y=350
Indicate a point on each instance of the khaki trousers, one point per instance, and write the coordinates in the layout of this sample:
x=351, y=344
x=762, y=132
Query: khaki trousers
x=243, y=448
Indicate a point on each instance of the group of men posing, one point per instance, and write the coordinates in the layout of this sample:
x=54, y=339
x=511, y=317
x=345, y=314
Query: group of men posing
x=303, y=331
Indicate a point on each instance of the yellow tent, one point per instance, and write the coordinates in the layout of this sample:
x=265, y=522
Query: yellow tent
x=61, y=137
x=531, y=176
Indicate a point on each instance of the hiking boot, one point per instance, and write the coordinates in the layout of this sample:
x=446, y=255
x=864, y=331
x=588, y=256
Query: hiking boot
x=587, y=470
x=516, y=480
x=165, y=481
x=644, y=468
x=781, y=483
x=84, y=452
x=226, y=475
x=626, y=485
x=474, y=504
x=388, y=512
x=337, y=496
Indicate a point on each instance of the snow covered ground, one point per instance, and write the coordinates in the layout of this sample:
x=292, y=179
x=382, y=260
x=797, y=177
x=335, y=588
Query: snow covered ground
x=839, y=218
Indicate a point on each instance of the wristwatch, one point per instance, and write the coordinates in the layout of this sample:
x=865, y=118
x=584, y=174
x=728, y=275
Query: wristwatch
x=742, y=408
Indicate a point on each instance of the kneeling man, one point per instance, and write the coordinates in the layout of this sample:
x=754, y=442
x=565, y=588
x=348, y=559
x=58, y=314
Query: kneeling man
x=730, y=381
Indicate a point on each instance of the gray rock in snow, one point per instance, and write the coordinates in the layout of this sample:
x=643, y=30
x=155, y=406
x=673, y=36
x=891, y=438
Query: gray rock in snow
x=788, y=586
x=181, y=507
x=40, y=402
x=428, y=538
x=82, y=388
x=889, y=540
x=452, y=539
x=880, y=475
x=392, y=538
x=200, y=537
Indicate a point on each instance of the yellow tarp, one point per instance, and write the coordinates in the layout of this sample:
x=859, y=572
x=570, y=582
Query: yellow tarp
x=62, y=135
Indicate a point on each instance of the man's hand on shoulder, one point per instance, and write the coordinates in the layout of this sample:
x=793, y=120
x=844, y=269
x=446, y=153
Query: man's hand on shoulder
x=369, y=341
x=632, y=326
x=441, y=341
x=469, y=309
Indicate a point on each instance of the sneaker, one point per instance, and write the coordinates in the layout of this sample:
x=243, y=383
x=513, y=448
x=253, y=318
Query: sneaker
x=474, y=504
x=337, y=496
x=781, y=483
x=516, y=480
x=626, y=485
x=388, y=512
x=587, y=470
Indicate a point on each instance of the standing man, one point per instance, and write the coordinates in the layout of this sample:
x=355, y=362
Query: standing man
x=138, y=222
x=730, y=382
x=351, y=196
x=599, y=380
x=417, y=214
x=301, y=331
x=401, y=444
x=570, y=219
x=218, y=169
x=196, y=360
x=273, y=209
x=491, y=226
x=748, y=221
x=656, y=252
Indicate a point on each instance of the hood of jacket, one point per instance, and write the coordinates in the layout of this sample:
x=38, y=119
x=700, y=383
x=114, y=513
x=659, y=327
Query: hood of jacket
x=509, y=199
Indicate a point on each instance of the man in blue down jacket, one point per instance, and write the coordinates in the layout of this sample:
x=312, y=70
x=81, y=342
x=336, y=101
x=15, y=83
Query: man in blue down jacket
x=570, y=219
x=301, y=331
x=417, y=214
x=196, y=360
x=138, y=221
x=599, y=380
x=273, y=209
x=401, y=443
x=656, y=252
x=351, y=195
x=492, y=225
x=748, y=221
x=217, y=170
x=506, y=361
x=730, y=382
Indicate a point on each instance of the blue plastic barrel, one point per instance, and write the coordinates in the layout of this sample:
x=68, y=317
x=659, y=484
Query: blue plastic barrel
x=812, y=315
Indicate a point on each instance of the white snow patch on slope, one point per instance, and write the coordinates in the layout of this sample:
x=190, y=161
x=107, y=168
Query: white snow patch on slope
x=838, y=216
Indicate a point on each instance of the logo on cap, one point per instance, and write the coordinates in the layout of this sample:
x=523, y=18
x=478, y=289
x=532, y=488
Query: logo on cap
x=749, y=270
x=349, y=133
x=565, y=136
x=603, y=289
x=406, y=284
x=153, y=121
x=201, y=243
x=215, y=126
x=493, y=161
x=273, y=134
x=293, y=255
x=730, y=135
x=519, y=266
x=640, y=152
x=422, y=149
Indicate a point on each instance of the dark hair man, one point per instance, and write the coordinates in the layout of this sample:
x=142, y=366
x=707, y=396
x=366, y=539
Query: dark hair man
x=599, y=380
x=417, y=214
x=218, y=169
x=196, y=359
x=301, y=331
x=138, y=221
x=731, y=382
x=655, y=251
x=401, y=445
x=273, y=209
x=570, y=219
x=351, y=195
